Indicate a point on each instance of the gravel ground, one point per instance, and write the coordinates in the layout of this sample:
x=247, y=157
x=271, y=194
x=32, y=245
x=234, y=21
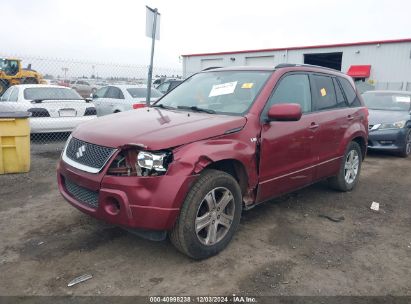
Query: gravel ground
x=282, y=248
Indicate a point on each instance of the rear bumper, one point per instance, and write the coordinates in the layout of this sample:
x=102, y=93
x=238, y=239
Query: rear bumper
x=57, y=124
x=390, y=140
x=151, y=203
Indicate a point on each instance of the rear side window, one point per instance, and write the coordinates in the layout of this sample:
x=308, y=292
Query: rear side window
x=293, y=88
x=14, y=95
x=339, y=94
x=349, y=92
x=323, y=93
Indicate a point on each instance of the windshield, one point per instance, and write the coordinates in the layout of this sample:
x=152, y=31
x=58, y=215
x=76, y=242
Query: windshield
x=226, y=92
x=387, y=101
x=50, y=94
x=142, y=92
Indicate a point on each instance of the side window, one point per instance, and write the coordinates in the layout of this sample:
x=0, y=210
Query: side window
x=293, y=88
x=339, y=94
x=6, y=95
x=174, y=84
x=14, y=95
x=349, y=92
x=323, y=93
x=100, y=93
x=163, y=87
x=115, y=93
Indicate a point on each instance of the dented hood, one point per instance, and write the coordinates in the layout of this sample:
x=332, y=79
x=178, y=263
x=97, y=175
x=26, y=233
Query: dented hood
x=155, y=129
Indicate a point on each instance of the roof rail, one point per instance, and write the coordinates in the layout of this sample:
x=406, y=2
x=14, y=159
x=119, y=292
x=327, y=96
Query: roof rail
x=288, y=65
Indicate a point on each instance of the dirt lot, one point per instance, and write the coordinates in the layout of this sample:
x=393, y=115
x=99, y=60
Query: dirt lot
x=282, y=248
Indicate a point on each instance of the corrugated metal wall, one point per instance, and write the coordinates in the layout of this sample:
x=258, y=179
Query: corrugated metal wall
x=390, y=62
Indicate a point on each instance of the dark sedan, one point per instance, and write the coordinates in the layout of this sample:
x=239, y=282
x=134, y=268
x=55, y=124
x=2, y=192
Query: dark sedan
x=389, y=121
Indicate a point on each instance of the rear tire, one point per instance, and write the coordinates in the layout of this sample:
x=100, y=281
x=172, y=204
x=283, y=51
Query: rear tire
x=209, y=217
x=350, y=169
x=407, y=145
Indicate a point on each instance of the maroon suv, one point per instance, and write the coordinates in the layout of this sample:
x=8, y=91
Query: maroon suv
x=224, y=140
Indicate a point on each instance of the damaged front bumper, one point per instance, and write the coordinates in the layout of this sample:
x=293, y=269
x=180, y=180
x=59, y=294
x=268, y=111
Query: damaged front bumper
x=133, y=202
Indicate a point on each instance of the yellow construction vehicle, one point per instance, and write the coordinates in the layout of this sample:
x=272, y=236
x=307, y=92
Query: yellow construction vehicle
x=11, y=73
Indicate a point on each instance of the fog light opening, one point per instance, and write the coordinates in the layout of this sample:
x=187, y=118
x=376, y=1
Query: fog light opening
x=112, y=206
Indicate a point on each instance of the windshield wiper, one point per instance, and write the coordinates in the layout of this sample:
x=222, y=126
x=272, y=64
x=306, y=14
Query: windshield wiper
x=196, y=109
x=163, y=106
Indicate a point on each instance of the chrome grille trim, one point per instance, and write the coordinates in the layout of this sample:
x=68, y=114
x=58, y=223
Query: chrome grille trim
x=85, y=167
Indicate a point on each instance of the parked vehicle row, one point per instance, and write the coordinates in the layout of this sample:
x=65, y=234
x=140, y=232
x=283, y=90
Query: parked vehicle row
x=52, y=108
x=223, y=141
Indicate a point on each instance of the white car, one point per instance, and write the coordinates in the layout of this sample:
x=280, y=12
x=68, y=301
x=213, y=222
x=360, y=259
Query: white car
x=52, y=108
x=119, y=98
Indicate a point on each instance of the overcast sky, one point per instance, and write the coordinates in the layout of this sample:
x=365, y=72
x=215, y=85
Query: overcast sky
x=114, y=31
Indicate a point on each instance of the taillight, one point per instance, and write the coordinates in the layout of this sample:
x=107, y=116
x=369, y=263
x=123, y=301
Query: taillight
x=90, y=111
x=139, y=105
x=38, y=112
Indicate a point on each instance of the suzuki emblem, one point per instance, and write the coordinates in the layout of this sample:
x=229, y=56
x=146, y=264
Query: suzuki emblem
x=80, y=151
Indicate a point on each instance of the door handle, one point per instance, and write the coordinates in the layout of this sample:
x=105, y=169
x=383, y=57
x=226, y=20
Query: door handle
x=350, y=117
x=313, y=126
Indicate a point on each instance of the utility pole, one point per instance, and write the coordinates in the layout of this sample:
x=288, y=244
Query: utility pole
x=153, y=39
x=65, y=70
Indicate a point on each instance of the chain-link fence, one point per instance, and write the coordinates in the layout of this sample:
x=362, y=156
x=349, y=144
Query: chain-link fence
x=86, y=90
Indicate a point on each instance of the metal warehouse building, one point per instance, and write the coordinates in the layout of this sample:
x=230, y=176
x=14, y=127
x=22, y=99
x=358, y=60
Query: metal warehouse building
x=373, y=64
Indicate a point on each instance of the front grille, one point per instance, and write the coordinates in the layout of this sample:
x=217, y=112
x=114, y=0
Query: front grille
x=88, y=154
x=82, y=195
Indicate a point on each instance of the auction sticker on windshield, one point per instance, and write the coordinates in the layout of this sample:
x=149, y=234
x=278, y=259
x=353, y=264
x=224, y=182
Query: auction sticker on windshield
x=223, y=89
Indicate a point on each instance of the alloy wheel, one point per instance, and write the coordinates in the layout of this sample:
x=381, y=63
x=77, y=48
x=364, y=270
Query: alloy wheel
x=352, y=162
x=215, y=216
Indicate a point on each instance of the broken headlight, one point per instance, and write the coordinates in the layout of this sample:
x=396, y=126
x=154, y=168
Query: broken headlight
x=152, y=161
x=140, y=163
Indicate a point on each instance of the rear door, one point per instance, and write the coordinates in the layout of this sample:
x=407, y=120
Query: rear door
x=286, y=155
x=333, y=117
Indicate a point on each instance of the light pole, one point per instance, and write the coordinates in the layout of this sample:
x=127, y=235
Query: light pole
x=65, y=70
x=153, y=39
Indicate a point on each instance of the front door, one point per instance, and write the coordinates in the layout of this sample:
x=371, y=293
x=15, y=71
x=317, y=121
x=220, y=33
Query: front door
x=286, y=155
x=100, y=101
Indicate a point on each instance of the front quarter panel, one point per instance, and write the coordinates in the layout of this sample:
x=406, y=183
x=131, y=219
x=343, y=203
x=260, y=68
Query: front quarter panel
x=192, y=158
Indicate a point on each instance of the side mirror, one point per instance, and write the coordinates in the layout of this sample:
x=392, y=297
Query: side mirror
x=88, y=99
x=285, y=112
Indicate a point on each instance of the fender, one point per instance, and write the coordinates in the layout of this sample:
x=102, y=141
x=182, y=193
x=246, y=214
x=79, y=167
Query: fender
x=193, y=158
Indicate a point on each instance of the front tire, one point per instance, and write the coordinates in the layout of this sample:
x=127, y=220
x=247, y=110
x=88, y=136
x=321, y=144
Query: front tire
x=350, y=169
x=407, y=145
x=209, y=217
